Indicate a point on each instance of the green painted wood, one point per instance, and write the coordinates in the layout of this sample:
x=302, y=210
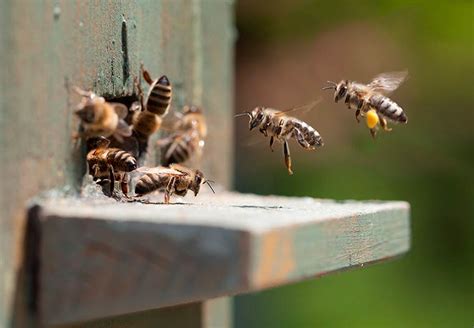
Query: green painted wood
x=48, y=46
x=101, y=258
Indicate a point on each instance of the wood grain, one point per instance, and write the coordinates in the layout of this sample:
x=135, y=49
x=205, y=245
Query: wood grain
x=46, y=47
x=101, y=258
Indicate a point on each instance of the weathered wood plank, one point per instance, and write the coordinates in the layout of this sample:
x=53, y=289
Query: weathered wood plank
x=101, y=258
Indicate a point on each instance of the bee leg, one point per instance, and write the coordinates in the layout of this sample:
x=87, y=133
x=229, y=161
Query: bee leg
x=264, y=132
x=124, y=185
x=357, y=114
x=145, y=74
x=167, y=197
x=373, y=132
x=300, y=139
x=112, y=180
x=140, y=94
x=271, y=143
x=286, y=152
x=383, y=123
x=95, y=169
x=168, y=190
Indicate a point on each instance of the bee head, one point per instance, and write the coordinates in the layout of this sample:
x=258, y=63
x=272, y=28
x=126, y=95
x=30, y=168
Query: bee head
x=97, y=142
x=257, y=117
x=340, y=89
x=90, y=108
x=198, y=181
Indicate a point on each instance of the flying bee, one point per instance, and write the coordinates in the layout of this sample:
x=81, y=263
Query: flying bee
x=109, y=164
x=191, y=130
x=281, y=127
x=101, y=118
x=364, y=97
x=175, y=179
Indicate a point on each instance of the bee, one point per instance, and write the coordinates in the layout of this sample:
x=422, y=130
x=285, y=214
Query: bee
x=145, y=124
x=109, y=164
x=101, y=118
x=191, y=130
x=364, y=97
x=175, y=179
x=281, y=127
x=158, y=99
x=150, y=110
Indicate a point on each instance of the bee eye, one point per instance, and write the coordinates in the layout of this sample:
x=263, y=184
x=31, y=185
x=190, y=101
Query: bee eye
x=342, y=91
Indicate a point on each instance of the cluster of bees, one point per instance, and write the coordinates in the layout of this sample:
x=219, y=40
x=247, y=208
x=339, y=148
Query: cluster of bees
x=117, y=140
x=117, y=136
x=368, y=100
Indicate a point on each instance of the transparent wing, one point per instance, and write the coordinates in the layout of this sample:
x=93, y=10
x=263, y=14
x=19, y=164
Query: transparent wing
x=123, y=129
x=160, y=170
x=120, y=109
x=305, y=107
x=172, y=121
x=387, y=82
x=135, y=107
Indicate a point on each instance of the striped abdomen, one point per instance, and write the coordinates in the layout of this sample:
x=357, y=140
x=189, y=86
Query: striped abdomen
x=151, y=182
x=388, y=108
x=180, y=149
x=306, y=135
x=145, y=124
x=159, y=96
x=121, y=160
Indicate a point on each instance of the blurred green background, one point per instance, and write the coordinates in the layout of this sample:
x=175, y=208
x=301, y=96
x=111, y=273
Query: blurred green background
x=286, y=50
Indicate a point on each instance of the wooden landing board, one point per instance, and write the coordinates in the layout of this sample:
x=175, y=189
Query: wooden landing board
x=98, y=258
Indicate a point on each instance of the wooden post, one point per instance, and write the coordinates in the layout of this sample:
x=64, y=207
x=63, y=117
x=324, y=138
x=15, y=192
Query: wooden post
x=48, y=47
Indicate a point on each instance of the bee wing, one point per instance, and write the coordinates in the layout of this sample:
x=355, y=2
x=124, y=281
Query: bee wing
x=160, y=170
x=305, y=107
x=172, y=122
x=135, y=107
x=387, y=82
x=120, y=109
x=123, y=129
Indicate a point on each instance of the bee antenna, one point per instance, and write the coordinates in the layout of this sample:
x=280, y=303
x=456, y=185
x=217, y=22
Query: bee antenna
x=243, y=114
x=333, y=85
x=208, y=182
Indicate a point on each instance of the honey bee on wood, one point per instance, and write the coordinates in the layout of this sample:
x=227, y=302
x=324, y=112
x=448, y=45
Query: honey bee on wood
x=109, y=164
x=101, y=118
x=278, y=125
x=145, y=124
x=175, y=179
x=364, y=97
x=150, y=110
x=188, y=138
x=158, y=99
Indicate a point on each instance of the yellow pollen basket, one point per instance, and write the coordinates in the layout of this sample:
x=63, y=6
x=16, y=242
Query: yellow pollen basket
x=372, y=119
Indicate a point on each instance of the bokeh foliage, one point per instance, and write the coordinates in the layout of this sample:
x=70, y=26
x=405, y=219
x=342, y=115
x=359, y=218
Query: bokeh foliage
x=429, y=163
